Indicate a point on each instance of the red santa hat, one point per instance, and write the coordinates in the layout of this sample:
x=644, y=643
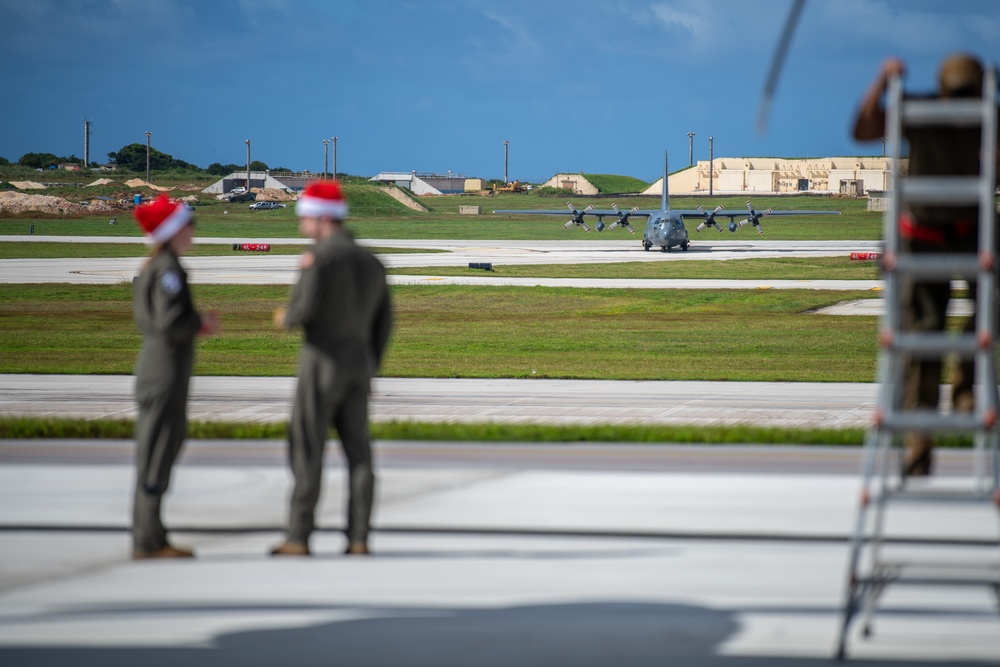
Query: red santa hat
x=322, y=199
x=162, y=218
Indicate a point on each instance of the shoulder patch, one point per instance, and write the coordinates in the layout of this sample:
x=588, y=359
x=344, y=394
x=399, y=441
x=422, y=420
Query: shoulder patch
x=171, y=282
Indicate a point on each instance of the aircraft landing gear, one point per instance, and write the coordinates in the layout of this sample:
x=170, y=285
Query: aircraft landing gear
x=663, y=249
x=646, y=245
x=684, y=246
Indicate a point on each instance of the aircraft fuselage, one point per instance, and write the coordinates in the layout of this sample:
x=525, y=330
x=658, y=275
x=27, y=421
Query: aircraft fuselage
x=665, y=230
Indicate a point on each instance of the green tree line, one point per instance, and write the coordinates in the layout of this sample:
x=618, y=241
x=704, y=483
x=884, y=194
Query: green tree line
x=132, y=157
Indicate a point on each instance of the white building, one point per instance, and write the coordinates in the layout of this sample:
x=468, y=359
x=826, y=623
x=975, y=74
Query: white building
x=258, y=179
x=578, y=183
x=834, y=175
x=424, y=183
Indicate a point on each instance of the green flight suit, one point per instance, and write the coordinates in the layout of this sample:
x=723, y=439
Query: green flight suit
x=342, y=302
x=165, y=315
x=934, y=229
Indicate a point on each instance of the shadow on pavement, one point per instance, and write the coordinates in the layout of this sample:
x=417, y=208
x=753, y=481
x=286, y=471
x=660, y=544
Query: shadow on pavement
x=581, y=635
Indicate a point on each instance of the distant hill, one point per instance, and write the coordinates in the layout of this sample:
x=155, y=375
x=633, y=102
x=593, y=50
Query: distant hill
x=615, y=184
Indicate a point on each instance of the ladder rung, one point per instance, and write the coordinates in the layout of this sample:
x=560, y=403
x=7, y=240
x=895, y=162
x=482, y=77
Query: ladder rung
x=931, y=420
x=932, y=574
x=932, y=579
x=968, y=112
x=942, y=496
x=935, y=344
x=937, y=265
x=942, y=189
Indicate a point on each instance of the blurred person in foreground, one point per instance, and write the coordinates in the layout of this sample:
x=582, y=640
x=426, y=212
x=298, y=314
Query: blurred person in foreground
x=342, y=303
x=165, y=314
x=939, y=150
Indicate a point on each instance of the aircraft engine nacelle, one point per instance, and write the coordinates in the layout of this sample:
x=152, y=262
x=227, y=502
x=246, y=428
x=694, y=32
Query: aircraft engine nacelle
x=709, y=218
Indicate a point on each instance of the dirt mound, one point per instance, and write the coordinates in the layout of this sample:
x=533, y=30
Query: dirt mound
x=100, y=181
x=189, y=187
x=16, y=202
x=139, y=183
x=27, y=185
x=99, y=205
x=272, y=194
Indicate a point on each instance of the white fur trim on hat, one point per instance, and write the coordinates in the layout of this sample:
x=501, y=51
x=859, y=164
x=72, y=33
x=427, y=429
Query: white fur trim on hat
x=172, y=224
x=318, y=207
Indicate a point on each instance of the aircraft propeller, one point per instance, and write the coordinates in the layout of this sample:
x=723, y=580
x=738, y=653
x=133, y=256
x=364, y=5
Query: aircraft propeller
x=753, y=218
x=577, y=218
x=709, y=218
x=623, y=218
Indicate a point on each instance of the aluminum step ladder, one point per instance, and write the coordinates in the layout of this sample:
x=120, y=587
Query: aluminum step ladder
x=871, y=570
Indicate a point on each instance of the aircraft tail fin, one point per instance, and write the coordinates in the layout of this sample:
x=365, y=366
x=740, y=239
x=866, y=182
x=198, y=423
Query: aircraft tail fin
x=665, y=197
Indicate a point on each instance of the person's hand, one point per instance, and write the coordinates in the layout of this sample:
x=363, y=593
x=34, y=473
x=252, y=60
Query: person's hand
x=210, y=323
x=893, y=67
x=278, y=317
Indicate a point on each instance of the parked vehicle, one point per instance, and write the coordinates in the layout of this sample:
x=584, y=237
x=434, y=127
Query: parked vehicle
x=266, y=206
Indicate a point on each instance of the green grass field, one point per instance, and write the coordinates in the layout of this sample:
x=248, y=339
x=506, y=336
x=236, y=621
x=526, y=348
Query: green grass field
x=782, y=268
x=41, y=250
x=475, y=332
x=17, y=428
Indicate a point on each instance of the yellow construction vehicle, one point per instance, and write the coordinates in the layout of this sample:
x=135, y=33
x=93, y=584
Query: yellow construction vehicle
x=513, y=186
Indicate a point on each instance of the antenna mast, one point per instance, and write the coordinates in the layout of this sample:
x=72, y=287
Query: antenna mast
x=86, y=143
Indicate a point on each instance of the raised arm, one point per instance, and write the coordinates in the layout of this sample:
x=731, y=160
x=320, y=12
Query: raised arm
x=870, y=122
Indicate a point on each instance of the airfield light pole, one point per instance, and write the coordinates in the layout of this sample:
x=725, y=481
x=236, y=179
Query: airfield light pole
x=86, y=143
x=326, y=153
x=248, y=165
x=335, y=157
x=147, y=155
x=690, y=149
x=506, y=144
x=711, y=167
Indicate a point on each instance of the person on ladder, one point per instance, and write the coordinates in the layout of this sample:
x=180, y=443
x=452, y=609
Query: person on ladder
x=934, y=151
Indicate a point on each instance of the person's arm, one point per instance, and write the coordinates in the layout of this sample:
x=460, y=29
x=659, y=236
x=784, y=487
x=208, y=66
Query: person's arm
x=304, y=298
x=382, y=326
x=870, y=122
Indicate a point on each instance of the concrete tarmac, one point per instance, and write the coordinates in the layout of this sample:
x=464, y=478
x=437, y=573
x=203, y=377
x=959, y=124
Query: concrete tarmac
x=545, y=402
x=488, y=559
x=282, y=269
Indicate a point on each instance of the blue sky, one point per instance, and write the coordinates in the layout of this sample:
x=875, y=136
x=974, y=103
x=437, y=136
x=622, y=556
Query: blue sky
x=600, y=86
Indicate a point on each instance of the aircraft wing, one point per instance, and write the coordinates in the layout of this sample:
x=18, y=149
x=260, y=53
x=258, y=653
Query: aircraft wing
x=732, y=215
x=748, y=216
x=593, y=211
x=576, y=216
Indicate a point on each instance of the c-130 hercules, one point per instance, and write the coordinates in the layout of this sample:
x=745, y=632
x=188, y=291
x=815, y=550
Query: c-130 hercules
x=665, y=227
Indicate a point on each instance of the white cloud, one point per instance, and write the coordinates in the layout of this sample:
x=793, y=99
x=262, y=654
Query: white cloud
x=697, y=26
x=520, y=37
x=720, y=27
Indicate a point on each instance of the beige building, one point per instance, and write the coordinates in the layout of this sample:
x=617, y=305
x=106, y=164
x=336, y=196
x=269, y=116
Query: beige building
x=834, y=175
x=578, y=183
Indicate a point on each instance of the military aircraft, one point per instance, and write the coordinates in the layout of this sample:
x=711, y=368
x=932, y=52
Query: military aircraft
x=665, y=227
